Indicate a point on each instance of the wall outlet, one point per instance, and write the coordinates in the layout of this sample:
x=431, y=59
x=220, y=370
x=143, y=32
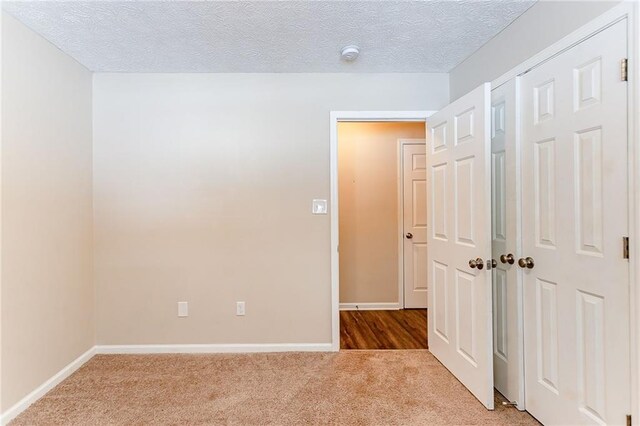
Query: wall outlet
x=183, y=309
x=240, y=308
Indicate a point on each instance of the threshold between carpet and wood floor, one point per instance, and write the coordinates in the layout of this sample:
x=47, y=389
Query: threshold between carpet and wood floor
x=407, y=387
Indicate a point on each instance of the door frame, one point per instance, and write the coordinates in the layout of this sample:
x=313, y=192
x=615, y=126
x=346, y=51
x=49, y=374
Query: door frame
x=401, y=143
x=334, y=118
x=630, y=11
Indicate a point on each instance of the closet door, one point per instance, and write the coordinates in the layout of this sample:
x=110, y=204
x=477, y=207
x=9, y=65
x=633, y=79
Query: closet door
x=459, y=241
x=575, y=215
x=507, y=284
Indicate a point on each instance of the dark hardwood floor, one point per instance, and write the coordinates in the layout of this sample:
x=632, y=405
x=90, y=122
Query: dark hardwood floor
x=403, y=329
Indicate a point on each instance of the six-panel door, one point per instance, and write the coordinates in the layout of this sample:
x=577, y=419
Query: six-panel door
x=414, y=186
x=574, y=206
x=458, y=236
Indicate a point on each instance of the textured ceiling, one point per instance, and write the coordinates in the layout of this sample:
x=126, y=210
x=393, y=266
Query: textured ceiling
x=267, y=36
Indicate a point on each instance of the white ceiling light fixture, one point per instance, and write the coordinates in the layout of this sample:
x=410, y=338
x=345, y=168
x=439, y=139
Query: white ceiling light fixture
x=350, y=53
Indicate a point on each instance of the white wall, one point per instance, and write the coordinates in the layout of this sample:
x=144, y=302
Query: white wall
x=368, y=204
x=202, y=193
x=47, y=287
x=539, y=27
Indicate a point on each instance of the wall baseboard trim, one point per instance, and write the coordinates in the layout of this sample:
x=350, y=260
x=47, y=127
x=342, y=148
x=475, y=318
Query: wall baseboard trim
x=370, y=306
x=214, y=348
x=41, y=390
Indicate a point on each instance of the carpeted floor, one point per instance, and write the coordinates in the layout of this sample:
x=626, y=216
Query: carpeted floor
x=345, y=388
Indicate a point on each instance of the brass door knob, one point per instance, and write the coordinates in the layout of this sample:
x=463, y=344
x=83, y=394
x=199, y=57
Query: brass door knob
x=526, y=262
x=409, y=235
x=507, y=258
x=476, y=263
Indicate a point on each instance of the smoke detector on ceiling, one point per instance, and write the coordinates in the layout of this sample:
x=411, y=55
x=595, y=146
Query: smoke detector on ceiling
x=350, y=53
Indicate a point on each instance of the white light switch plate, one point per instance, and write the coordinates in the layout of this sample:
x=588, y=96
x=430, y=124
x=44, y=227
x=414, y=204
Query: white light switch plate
x=319, y=207
x=183, y=309
x=240, y=308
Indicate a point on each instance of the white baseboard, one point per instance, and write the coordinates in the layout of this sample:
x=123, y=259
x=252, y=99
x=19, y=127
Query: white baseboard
x=370, y=306
x=213, y=348
x=41, y=390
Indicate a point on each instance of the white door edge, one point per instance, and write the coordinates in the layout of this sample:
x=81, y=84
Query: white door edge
x=521, y=394
x=520, y=397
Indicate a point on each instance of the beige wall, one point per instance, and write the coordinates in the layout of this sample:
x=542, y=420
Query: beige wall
x=539, y=27
x=368, y=204
x=202, y=193
x=47, y=289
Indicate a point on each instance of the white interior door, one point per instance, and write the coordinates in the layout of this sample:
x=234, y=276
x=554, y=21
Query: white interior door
x=458, y=233
x=507, y=286
x=575, y=215
x=414, y=212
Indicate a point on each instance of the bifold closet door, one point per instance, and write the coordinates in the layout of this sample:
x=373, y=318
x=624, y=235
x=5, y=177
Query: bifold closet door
x=575, y=215
x=459, y=241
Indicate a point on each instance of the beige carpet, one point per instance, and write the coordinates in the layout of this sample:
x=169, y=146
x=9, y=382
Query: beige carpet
x=345, y=388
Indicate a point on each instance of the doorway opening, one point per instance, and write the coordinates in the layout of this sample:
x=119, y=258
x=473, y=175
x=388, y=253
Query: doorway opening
x=381, y=168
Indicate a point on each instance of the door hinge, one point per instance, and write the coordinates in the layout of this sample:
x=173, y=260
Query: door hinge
x=628, y=419
x=625, y=247
x=624, y=70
